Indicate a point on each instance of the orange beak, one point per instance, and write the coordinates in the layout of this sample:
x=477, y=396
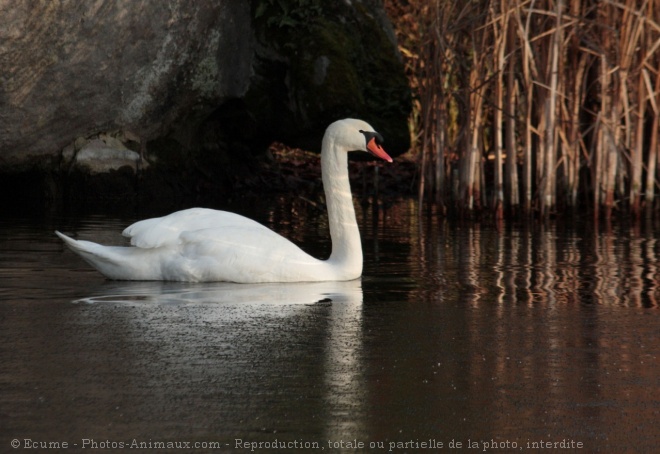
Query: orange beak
x=376, y=150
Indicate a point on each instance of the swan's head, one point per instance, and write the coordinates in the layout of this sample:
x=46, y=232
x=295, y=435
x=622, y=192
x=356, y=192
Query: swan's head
x=358, y=135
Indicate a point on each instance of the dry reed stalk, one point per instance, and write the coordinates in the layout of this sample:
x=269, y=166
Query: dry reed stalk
x=500, y=23
x=439, y=136
x=573, y=85
x=469, y=178
x=423, y=158
x=654, y=97
x=632, y=38
x=510, y=121
x=530, y=73
x=596, y=167
x=637, y=150
x=654, y=149
x=606, y=149
x=440, y=170
x=575, y=136
x=548, y=194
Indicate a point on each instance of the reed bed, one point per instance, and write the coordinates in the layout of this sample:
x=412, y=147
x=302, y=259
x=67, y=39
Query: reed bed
x=534, y=107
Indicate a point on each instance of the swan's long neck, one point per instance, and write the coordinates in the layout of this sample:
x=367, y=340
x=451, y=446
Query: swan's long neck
x=344, y=232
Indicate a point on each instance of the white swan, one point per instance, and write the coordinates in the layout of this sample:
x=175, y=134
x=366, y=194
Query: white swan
x=203, y=245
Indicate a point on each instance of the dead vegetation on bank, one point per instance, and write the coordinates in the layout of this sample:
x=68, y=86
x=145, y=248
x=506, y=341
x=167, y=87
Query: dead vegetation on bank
x=299, y=171
x=534, y=106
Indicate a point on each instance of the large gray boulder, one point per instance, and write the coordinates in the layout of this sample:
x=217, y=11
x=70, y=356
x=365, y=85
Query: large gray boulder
x=185, y=88
x=73, y=68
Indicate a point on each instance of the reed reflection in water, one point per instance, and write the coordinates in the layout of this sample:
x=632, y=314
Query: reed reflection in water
x=551, y=330
x=553, y=264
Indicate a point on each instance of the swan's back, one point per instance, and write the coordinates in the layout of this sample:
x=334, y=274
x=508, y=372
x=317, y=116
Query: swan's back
x=167, y=230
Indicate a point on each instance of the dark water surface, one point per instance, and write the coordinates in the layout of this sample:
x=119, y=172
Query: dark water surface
x=457, y=333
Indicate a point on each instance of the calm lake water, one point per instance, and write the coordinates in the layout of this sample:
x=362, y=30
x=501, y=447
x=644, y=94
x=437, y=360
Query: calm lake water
x=458, y=333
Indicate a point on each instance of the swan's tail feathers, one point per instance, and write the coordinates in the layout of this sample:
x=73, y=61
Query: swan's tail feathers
x=112, y=262
x=73, y=244
x=82, y=247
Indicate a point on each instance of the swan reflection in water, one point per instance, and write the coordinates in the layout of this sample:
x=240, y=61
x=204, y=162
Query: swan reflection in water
x=272, y=325
x=176, y=293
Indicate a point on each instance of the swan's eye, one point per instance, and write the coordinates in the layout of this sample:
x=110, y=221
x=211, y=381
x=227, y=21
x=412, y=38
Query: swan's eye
x=368, y=135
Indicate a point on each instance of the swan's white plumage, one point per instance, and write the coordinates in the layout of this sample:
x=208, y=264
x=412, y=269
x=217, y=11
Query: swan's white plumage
x=157, y=232
x=203, y=245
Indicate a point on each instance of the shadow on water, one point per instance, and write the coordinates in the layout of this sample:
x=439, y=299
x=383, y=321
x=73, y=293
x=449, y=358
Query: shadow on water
x=457, y=333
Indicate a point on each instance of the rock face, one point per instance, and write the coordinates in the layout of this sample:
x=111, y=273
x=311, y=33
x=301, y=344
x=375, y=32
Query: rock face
x=194, y=88
x=72, y=68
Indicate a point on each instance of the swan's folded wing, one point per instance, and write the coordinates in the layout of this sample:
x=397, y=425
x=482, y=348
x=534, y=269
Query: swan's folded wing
x=167, y=230
x=245, y=254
